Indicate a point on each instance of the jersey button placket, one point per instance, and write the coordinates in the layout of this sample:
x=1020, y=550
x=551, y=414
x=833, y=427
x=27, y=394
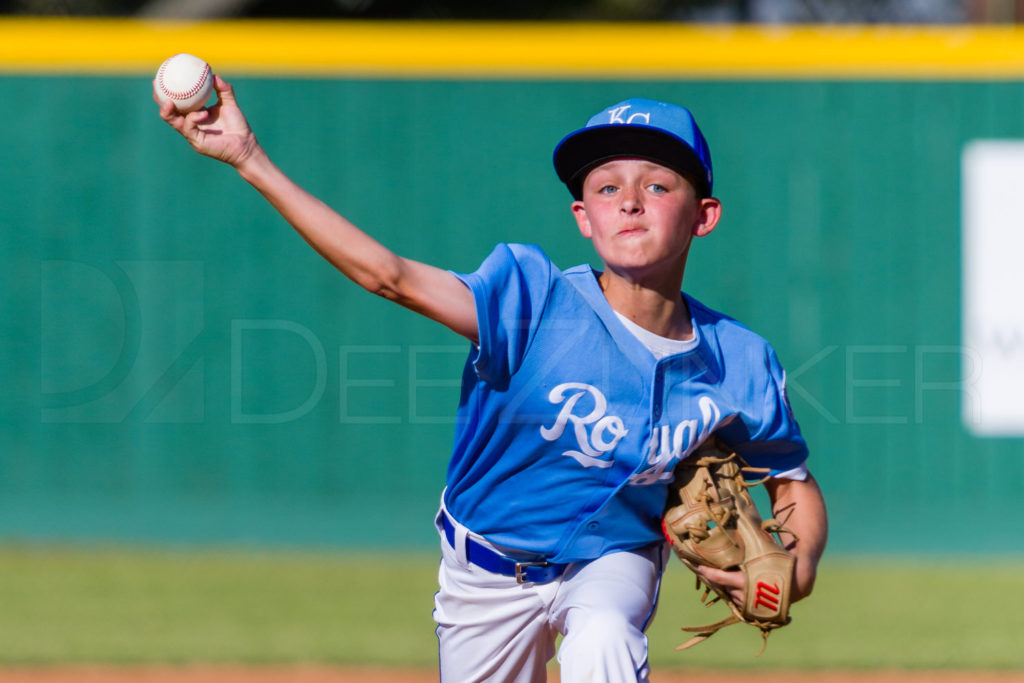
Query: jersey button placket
x=656, y=391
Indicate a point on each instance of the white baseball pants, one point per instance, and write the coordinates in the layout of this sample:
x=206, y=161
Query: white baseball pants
x=491, y=628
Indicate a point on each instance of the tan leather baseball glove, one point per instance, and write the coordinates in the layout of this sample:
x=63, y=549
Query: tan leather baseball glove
x=711, y=520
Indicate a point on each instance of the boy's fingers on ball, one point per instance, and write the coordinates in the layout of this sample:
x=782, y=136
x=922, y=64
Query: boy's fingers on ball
x=169, y=114
x=167, y=110
x=225, y=91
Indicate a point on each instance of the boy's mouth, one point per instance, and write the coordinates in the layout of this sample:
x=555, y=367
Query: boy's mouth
x=628, y=230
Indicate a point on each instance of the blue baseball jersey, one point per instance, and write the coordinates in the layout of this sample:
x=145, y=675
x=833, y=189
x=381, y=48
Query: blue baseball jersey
x=568, y=428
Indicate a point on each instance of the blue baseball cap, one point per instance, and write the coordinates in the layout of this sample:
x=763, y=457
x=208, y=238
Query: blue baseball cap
x=664, y=133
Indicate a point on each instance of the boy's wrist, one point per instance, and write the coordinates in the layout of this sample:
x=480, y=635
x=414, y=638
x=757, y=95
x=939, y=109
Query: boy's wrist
x=253, y=164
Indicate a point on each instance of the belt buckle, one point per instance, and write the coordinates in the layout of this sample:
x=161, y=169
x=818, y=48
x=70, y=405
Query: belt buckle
x=522, y=567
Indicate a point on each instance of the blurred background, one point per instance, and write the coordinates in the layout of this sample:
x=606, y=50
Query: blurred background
x=768, y=11
x=180, y=373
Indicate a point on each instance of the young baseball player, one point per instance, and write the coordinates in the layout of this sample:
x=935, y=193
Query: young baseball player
x=581, y=392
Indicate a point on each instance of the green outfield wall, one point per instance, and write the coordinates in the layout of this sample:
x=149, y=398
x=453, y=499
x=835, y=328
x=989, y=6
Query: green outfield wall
x=177, y=366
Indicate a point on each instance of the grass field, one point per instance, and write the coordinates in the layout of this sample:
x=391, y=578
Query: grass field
x=134, y=607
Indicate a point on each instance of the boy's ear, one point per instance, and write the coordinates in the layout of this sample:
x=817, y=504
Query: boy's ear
x=710, y=212
x=582, y=220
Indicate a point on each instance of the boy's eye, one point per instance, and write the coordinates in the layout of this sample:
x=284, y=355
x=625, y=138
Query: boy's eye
x=656, y=188
x=607, y=189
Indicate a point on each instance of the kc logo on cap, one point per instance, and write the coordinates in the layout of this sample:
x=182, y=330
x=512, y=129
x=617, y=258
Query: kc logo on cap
x=615, y=115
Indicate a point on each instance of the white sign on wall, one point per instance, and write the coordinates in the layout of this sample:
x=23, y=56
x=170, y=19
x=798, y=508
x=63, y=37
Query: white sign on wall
x=992, y=315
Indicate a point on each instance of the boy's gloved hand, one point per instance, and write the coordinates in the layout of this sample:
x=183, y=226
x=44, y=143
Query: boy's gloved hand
x=711, y=521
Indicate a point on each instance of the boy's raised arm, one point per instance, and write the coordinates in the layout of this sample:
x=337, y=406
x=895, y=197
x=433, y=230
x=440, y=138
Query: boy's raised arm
x=222, y=132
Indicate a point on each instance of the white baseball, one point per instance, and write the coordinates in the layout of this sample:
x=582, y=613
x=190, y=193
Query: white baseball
x=186, y=80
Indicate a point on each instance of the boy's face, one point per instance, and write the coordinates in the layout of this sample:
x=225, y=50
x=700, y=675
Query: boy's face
x=642, y=216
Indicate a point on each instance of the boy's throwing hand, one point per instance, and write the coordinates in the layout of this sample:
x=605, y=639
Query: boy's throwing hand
x=220, y=131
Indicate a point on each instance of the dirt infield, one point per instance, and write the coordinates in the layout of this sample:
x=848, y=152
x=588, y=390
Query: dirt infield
x=352, y=675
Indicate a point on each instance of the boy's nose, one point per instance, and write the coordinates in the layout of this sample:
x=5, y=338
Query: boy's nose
x=630, y=202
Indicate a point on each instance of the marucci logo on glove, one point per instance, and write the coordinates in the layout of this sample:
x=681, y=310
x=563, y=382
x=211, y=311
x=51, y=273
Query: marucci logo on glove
x=767, y=596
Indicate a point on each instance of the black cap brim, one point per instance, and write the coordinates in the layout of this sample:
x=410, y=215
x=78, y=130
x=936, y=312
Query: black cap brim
x=581, y=151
